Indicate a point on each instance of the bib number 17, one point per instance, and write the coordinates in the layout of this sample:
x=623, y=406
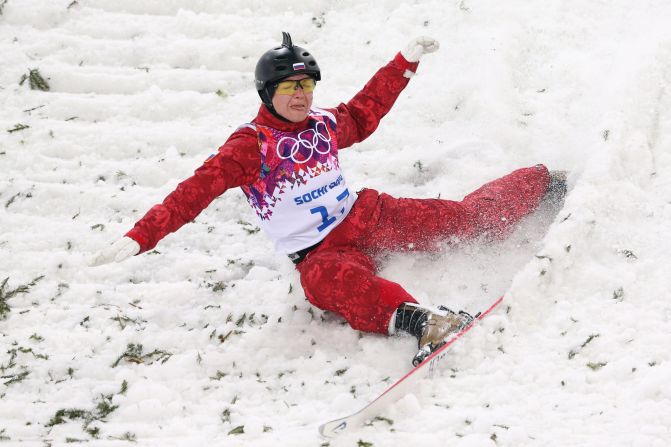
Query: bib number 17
x=326, y=219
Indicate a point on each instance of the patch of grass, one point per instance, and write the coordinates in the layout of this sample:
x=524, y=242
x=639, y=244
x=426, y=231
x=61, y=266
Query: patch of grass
x=134, y=354
x=222, y=338
x=219, y=286
x=35, y=80
x=248, y=227
x=6, y=293
x=628, y=254
x=70, y=413
x=18, y=127
x=573, y=353
x=589, y=339
x=596, y=366
x=125, y=320
x=104, y=406
x=239, y=430
x=15, y=378
x=382, y=419
x=128, y=436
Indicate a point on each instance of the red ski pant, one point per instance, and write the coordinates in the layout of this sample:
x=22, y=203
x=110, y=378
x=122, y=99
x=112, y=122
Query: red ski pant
x=340, y=274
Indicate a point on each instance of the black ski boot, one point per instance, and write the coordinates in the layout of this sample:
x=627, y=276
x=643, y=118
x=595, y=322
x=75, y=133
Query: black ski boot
x=432, y=329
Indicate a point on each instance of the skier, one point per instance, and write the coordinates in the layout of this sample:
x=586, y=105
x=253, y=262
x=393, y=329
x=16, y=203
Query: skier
x=286, y=162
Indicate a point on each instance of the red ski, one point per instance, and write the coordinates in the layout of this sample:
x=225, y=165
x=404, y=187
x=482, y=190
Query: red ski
x=399, y=389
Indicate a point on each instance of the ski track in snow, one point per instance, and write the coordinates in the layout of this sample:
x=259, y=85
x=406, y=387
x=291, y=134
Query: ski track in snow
x=578, y=353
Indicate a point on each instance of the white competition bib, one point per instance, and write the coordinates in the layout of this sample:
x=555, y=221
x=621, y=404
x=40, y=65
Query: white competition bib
x=301, y=194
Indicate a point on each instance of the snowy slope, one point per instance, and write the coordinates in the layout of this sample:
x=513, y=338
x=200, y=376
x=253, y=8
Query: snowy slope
x=141, y=92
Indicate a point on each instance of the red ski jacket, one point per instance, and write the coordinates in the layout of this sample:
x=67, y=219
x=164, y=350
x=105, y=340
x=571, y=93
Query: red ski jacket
x=238, y=161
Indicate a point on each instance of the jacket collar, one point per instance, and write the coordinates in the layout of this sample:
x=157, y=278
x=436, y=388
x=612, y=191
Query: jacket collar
x=265, y=118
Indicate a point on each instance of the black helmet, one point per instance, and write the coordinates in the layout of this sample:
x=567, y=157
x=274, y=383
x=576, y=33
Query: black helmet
x=281, y=62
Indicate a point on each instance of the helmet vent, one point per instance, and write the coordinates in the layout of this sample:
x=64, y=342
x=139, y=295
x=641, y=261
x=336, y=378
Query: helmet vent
x=305, y=53
x=312, y=63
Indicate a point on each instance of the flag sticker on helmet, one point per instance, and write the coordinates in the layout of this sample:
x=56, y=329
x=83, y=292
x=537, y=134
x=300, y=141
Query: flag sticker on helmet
x=299, y=66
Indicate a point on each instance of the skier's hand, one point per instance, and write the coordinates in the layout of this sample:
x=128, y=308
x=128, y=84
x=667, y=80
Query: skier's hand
x=419, y=46
x=122, y=249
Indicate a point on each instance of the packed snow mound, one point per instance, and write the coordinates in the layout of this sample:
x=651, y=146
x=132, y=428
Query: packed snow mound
x=208, y=339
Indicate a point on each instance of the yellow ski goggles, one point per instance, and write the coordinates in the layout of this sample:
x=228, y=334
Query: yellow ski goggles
x=290, y=87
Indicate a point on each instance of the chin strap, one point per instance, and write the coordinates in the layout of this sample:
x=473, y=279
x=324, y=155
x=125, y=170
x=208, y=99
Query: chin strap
x=266, y=96
x=273, y=112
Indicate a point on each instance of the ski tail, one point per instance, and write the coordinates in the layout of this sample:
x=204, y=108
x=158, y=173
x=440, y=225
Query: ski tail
x=401, y=387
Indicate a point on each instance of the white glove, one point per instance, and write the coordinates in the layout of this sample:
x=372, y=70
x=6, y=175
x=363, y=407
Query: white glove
x=122, y=249
x=419, y=46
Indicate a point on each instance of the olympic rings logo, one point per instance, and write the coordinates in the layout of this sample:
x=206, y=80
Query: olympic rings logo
x=316, y=140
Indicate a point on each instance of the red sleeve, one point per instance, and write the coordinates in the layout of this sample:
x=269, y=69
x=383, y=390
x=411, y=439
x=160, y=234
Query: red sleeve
x=359, y=118
x=236, y=163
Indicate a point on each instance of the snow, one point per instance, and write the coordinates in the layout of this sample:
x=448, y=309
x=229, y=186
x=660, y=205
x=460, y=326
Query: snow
x=576, y=354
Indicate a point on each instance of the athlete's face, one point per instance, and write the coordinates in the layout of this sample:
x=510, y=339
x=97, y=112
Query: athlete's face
x=294, y=103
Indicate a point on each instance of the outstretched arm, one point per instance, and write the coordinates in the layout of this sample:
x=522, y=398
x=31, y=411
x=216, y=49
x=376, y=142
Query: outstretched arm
x=359, y=118
x=236, y=163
